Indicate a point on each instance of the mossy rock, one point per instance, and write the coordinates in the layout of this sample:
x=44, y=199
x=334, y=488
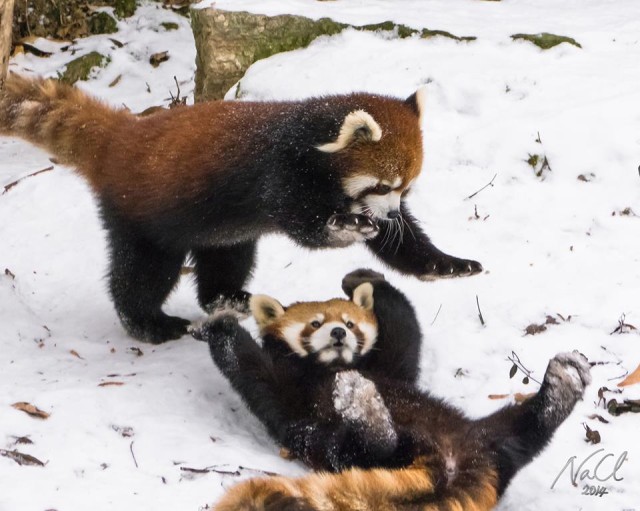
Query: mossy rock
x=545, y=40
x=169, y=25
x=228, y=42
x=124, y=8
x=102, y=23
x=80, y=68
x=426, y=34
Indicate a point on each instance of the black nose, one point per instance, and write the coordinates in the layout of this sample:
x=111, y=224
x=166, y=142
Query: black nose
x=338, y=334
x=393, y=214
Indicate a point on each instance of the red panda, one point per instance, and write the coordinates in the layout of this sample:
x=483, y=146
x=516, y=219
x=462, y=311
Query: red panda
x=393, y=445
x=206, y=181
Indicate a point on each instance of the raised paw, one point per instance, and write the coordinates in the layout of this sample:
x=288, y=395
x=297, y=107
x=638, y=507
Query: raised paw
x=447, y=266
x=353, y=279
x=567, y=375
x=346, y=228
x=570, y=370
x=214, y=329
x=356, y=400
x=236, y=304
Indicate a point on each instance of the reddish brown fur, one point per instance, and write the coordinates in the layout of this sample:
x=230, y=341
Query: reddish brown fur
x=141, y=163
x=333, y=310
x=407, y=489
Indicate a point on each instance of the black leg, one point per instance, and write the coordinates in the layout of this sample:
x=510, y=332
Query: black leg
x=396, y=353
x=221, y=273
x=404, y=246
x=518, y=433
x=140, y=278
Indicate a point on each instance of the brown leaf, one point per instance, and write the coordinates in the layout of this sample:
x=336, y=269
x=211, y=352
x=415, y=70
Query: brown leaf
x=598, y=417
x=287, y=454
x=23, y=440
x=9, y=273
x=111, y=384
x=534, y=329
x=498, y=396
x=550, y=320
x=158, y=58
x=21, y=458
x=33, y=411
x=593, y=436
x=518, y=397
x=76, y=354
x=632, y=379
x=136, y=351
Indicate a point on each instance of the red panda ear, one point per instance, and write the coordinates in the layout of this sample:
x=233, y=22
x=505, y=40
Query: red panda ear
x=363, y=296
x=357, y=126
x=417, y=102
x=265, y=309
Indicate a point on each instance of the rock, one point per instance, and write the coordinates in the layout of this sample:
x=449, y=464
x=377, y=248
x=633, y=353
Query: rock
x=545, y=40
x=80, y=68
x=227, y=42
x=102, y=23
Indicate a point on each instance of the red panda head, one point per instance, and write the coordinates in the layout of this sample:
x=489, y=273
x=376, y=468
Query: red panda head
x=335, y=332
x=378, y=152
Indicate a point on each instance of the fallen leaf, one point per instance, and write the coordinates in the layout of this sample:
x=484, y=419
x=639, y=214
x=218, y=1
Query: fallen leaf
x=125, y=431
x=111, y=384
x=593, y=436
x=598, y=417
x=158, y=58
x=33, y=411
x=21, y=458
x=632, y=379
x=76, y=354
x=534, y=329
x=518, y=397
x=136, y=351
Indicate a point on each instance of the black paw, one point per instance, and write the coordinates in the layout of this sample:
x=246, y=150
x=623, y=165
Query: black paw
x=353, y=279
x=236, y=303
x=447, y=266
x=346, y=228
x=222, y=326
x=156, y=328
x=567, y=375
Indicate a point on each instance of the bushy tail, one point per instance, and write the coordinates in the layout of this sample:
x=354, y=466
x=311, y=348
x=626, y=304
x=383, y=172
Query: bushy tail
x=410, y=489
x=68, y=123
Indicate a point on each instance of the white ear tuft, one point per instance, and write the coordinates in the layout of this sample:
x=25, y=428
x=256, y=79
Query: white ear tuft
x=265, y=309
x=418, y=102
x=358, y=125
x=363, y=296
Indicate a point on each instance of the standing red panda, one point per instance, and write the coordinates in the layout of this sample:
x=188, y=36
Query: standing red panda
x=207, y=181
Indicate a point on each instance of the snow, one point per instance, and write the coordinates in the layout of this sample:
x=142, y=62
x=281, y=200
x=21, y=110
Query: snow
x=552, y=246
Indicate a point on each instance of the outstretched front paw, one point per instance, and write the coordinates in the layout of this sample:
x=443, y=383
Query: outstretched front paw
x=446, y=266
x=567, y=375
x=346, y=228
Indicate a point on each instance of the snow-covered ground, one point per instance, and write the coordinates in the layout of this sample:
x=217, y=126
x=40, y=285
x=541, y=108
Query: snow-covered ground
x=551, y=245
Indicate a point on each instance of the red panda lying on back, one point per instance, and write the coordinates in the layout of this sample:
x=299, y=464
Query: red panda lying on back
x=206, y=181
x=347, y=414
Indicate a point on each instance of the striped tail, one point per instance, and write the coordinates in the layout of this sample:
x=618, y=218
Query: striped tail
x=66, y=122
x=410, y=489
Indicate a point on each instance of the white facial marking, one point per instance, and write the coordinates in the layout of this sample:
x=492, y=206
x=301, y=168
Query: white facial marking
x=370, y=333
x=354, y=186
x=328, y=356
x=380, y=205
x=291, y=334
x=396, y=182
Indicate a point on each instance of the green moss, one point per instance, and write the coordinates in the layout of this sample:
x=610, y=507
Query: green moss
x=545, y=40
x=297, y=34
x=388, y=26
x=102, y=23
x=80, y=68
x=169, y=25
x=124, y=8
x=533, y=160
x=426, y=34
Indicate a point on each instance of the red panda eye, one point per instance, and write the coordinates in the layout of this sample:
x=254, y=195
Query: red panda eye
x=315, y=324
x=382, y=189
x=349, y=324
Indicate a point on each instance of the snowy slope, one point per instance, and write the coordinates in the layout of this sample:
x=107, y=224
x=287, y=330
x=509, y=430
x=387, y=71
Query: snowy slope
x=550, y=246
